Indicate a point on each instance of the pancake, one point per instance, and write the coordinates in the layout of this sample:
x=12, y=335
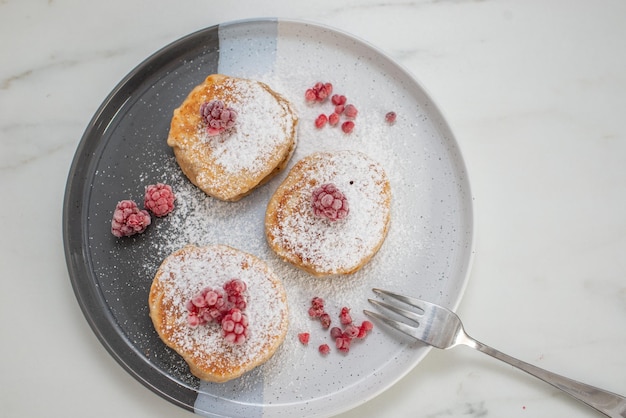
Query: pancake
x=319, y=245
x=185, y=273
x=231, y=164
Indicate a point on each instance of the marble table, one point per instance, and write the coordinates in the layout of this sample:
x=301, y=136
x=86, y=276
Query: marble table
x=535, y=93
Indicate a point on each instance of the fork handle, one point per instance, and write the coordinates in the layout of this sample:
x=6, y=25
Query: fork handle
x=608, y=403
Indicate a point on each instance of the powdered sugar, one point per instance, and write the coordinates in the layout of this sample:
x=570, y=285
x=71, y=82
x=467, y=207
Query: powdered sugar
x=187, y=272
x=262, y=125
x=317, y=243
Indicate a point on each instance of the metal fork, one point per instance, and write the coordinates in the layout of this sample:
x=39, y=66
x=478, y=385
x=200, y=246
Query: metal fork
x=442, y=328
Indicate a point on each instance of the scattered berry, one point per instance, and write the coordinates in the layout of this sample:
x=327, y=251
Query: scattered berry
x=304, y=337
x=128, y=219
x=343, y=343
x=321, y=121
x=235, y=327
x=338, y=99
x=351, y=331
x=319, y=92
x=333, y=119
x=339, y=109
x=344, y=316
x=347, y=127
x=350, y=111
x=365, y=327
x=335, y=332
x=159, y=199
x=325, y=320
x=390, y=117
x=324, y=349
x=217, y=116
x=329, y=202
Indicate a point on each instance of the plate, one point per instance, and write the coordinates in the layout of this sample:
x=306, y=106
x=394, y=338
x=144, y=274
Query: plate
x=427, y=252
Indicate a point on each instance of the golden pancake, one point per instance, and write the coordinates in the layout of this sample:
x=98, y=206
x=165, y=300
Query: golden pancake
x=316, y=244
x=230, y=164
x=187, y=272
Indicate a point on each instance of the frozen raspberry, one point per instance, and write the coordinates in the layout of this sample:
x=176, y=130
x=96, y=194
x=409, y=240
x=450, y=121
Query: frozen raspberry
x=350, y=111
x=333, y=119
x=234, y=292
x=235, y=327
x=304, y=337
x=390, y=117
x=344, y=316
x=338, y=99
x=324, y=349
x=351, y=331
x=159, y=199
x=128, y=219
x=329, y=202
x=217, y=116
x=206, y=306
x=321, y=121
x=347, y=127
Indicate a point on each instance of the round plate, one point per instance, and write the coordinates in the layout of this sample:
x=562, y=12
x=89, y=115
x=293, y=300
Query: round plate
x=427, y=252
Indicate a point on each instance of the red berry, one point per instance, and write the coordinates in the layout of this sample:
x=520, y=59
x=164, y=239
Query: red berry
x=234, y=294
x=333, y=119
x=325, y=320
x=235, y=327
x=343, y=344
x=217, y=116
x=321, y=121
x=338, y=99
x=351, y=331
x=128, y=219
x=159, y=199
x=317, y=302
x=390, y=117
x=347, y=126
x=339, y=109
x=304, y=337
x=324, y=349
x=206, y=306
x=309, y=95
x=329, y=202
x=344, y=316
x=335, y=332
x=351, y=111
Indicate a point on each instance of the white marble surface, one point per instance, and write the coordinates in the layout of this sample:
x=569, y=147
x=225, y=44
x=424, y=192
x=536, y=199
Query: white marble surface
x=536, y=94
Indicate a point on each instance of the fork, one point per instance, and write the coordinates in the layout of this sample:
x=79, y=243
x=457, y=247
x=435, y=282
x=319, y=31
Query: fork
x=442, y=328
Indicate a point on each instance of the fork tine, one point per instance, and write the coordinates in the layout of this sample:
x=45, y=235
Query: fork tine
x=400, y=326
x=402, y=298
x=400, y=311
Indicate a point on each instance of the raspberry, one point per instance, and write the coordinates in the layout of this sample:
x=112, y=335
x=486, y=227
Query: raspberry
x=128, y=219
x=339, y=109
x=320, y=121
x=235, y=327
x=217, y=116
x=234, y=293
x=329, y=202
x=309, y=95
x=159, y=199
x=350, y=111
x=333, y=119
x=351, y=331
x=317, y=302
x=390, y=117
x=347, y=126
x=324, y=349
x=345, y=317
x=304, y=337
